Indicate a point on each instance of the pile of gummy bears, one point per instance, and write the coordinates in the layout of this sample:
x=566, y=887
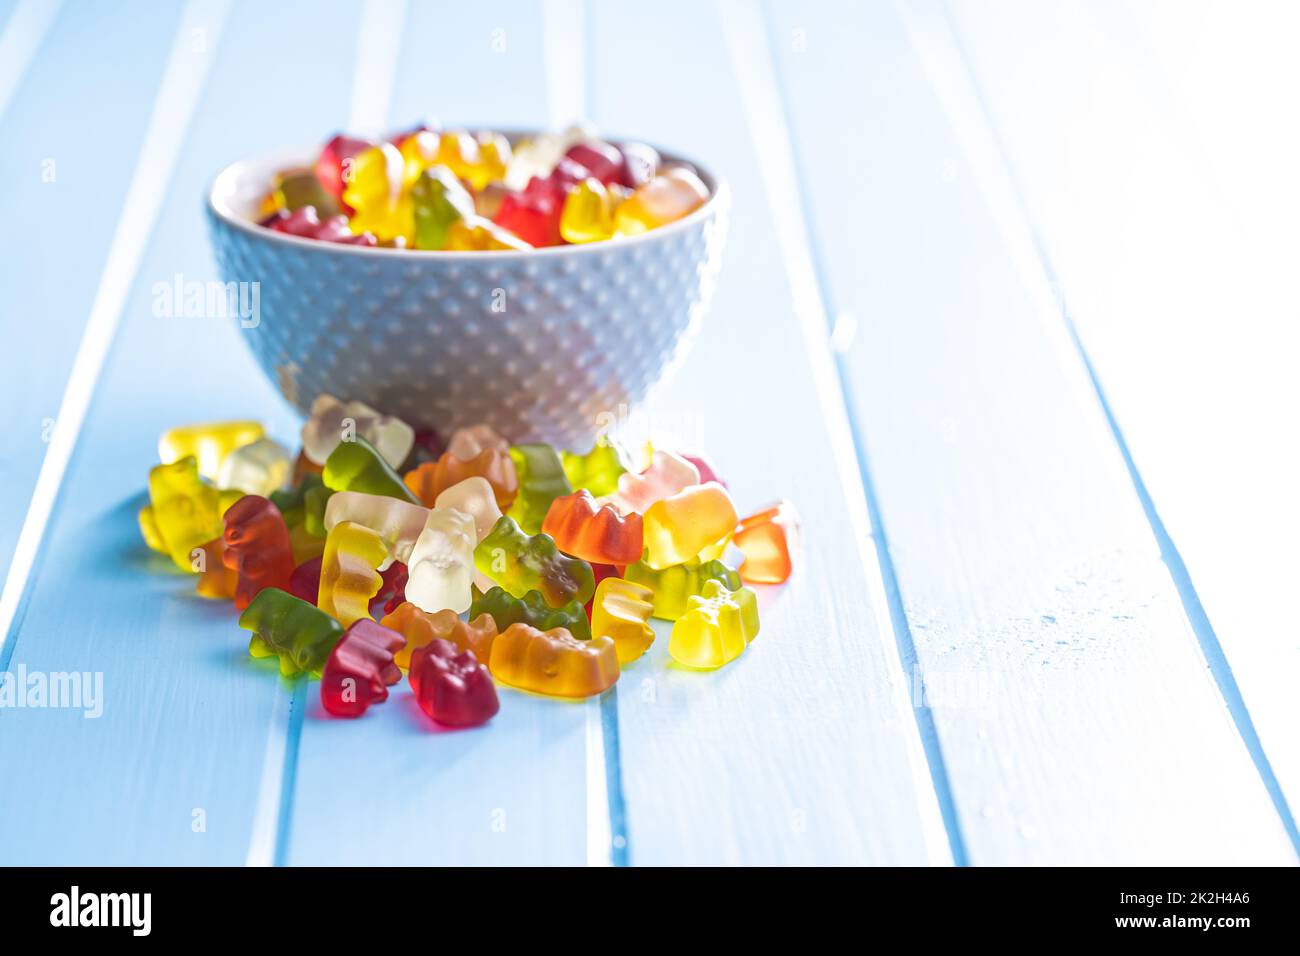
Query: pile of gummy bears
x=426, y=189
x=560, y=559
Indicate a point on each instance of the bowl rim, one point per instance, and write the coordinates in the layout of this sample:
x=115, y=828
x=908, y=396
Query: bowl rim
x=222, y=187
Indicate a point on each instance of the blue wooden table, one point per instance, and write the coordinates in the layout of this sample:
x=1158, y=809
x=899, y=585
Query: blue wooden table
x=1005, y=310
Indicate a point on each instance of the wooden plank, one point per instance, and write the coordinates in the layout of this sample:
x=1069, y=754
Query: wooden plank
x=391, y=787
x=1146, y=156
x=803, y=750
x=1077, y=721
x=72, y=131
x=187, y=717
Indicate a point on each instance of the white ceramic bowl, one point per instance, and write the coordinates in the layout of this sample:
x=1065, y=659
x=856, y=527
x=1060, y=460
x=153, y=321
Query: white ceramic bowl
x=544, y=345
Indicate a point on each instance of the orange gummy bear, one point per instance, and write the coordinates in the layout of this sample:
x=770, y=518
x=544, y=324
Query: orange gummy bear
x=554, y=662
x=593, y=532
x=419, y=627
x=434, y=477
x=768, y=539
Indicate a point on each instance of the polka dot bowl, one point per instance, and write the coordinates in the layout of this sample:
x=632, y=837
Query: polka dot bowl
x=545, y=345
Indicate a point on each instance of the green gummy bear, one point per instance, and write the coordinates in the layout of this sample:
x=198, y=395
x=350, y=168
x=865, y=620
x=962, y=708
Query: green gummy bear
x=355, y=466
x=532, y=609
x=438, y=202
x=300, y=634
x=314, y=502
x=291, y=501
x=597, y=470
x=520, y=563
x=541, y=481
x=673, y=587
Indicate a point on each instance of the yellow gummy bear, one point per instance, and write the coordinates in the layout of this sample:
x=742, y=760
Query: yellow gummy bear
x=184, y=512
x=348, y=575
x=621, y=611
x=588, y=213
x=716, y=628
x=697, y=522
x=209, y=443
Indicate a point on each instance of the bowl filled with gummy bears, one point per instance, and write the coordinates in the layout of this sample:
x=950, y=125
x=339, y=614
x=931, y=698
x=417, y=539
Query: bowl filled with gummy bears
x=529, y=282
x=378, y=552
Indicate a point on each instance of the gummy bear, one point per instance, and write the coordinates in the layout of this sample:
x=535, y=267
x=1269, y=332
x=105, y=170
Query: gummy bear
x=520, y=563
x=258, y=468
x=588, y=212
x=675, y=585
x=768, y=539
x=373, y=190
x=332, y=422
x=183, y=513
x=640, y=164
x=593, y=532
x=553, y=662
x=441, y=569
x=621, y=612
x=666, y=476
x=257, y=546
x=452, y=686
x=716, y=628
x=473, y=496
x=215, y=579
x=356, y=466
x=209, y=443
x=470, y=441
x=533, y=217
x=419, y=627
x=541, y=481
x=506, y=609
x=302, y=636
x=349, y=577
x=431, y=479
x=359, y=669
x=602, y=161
x=440, y=201
x=670, y=196
x=397, y=522
x=598, y=470
x=697, y=522
x=307, y=224
x=295, y=188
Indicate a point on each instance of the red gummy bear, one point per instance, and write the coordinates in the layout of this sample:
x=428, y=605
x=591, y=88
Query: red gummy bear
x=451, y=685
x=392, y=591
x=601, y=160
x=305, y=581
x=360, y=668
x=305, y=222
x=533, y=218
x=257, y=546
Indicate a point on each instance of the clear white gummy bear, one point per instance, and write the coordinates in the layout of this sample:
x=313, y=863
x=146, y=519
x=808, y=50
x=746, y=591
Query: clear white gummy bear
x=442, y=562
x=256, y=469
x=323, y=431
